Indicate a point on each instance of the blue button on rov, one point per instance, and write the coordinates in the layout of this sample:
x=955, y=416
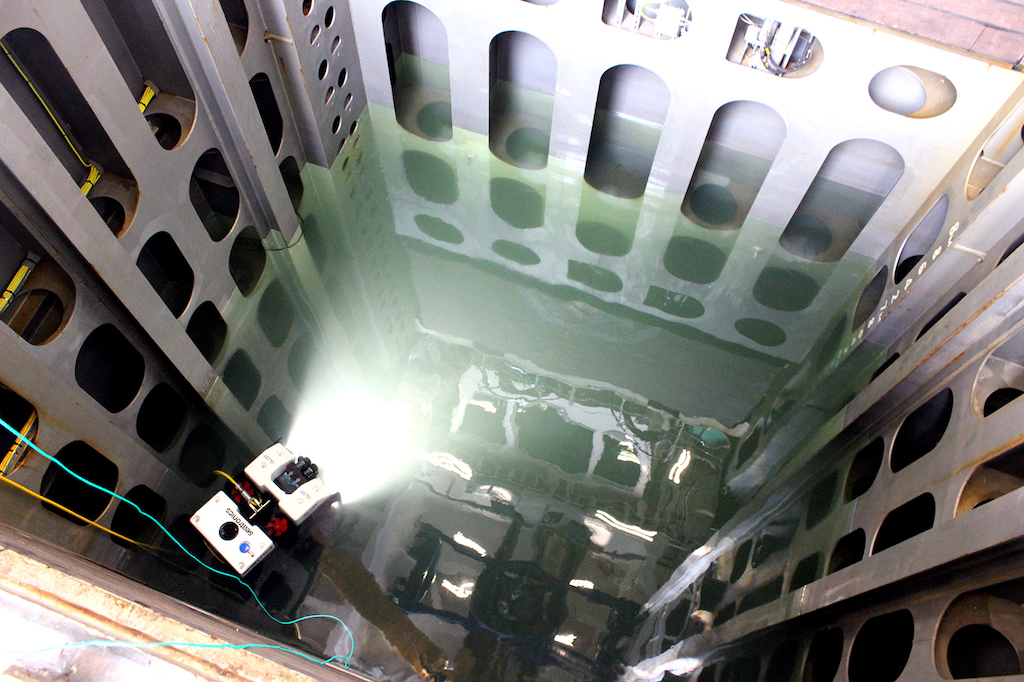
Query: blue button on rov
x=244, y=548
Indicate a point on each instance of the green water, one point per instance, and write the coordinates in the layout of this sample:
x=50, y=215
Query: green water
x=574, y=370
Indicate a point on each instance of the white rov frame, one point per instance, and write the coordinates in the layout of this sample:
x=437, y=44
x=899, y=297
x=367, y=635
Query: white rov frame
x=298, y=504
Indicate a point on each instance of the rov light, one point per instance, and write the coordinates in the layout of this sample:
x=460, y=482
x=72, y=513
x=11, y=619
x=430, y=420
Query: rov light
x=291, y=480
x=360, y=442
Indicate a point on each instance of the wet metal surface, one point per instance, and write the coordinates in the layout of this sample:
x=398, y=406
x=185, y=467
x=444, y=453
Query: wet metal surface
x=533, y=455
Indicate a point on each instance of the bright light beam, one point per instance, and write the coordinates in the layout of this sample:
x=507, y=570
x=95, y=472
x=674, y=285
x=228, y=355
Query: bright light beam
x=359, y=442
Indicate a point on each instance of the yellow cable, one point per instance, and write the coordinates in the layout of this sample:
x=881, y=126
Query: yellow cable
x=17, y=444
x=218, y=471
x=253, y=503
x=19, y=277
x=90, y=182
x=40, y=98
x=76, y=514
x=147, y=96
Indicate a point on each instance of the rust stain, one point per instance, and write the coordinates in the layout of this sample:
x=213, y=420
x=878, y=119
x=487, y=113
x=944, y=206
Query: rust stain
x=991, y=454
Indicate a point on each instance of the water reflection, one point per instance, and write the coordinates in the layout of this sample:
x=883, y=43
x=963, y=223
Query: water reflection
x=526, y=541
x=542, y=384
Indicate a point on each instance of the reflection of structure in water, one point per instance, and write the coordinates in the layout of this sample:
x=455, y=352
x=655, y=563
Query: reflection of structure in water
x=546, y=514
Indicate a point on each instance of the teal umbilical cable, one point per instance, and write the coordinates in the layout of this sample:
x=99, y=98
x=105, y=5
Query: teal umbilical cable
x=168, y=533
x=121, y=644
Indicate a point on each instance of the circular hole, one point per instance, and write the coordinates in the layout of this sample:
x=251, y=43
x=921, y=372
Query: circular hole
x=133, y=525
x=881, y=649
x=208, y=330
x=344, y=164
x=848, y=551
x=329, y=17
x=342, y=77
x=595, y=277
x=528, y=147
x=515, y=252
x=761, y=331
x=899, y=90
x=64, y=489
x=749, y=446
x=785, y=289
x=520, y=205
x=166, y=129
x=739, y=562
x=307, y=7
x=322, y=73
x=823, y=656
x=869, y=298
x=335, y=45
x=314, y=34
x=694, y=260
x=216, y=202
x=979, y=650
x=806, y=236
x=336, y=126
x=352, y=130
x=595, y=235
x=341, y=145
x=864, y=469
x=999, y=399
x=111, y=212
x=713, y=204
x=247, y=260
x=39, y=315
x=109, y=368
x=202, y=453
x=438, y=229
x=922, y=430
x=435, y=120
x=912, y=91
x=430, y=177
x=330, y=95
x=820, y=499
x=348, y=101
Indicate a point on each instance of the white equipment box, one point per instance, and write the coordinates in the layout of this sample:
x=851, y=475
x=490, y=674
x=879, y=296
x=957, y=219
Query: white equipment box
x=240, y=543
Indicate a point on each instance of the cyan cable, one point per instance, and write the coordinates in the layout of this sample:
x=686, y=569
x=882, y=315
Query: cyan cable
x=139, y=509
x=117, y=644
